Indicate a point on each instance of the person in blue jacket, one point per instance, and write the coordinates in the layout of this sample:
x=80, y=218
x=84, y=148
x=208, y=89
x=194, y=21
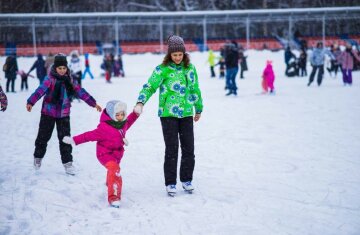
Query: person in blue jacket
x=39, y=65
x=317, y=62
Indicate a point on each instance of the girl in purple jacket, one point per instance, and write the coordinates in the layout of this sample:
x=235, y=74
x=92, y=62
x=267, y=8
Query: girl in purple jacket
x=58, y=88
x=3, y=100
x=346, y=59
x=110, y=138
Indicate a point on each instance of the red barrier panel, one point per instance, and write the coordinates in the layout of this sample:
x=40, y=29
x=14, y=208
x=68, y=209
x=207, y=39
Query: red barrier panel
x=154, y=47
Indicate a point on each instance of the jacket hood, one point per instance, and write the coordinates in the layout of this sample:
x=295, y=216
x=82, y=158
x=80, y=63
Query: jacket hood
x=104, y=116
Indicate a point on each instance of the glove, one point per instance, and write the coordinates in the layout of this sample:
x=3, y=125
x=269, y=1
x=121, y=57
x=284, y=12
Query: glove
x=68, y=140
x=138, y=108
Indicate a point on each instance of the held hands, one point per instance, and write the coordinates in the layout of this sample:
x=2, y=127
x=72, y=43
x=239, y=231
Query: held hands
x=197, y=117
x=98, y=108
x=28, y=107
x=68, y=140
x=138, y=108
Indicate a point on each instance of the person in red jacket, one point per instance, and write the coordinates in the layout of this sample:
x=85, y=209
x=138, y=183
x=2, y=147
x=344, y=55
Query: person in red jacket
x=110, y=138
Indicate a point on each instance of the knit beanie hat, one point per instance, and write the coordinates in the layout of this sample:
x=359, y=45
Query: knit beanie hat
x=175, y=44
x=115, y=106
x=60, y=60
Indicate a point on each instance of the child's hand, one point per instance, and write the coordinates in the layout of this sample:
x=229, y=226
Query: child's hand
x=28, y=107
x=138, y=108
x=68, y=140
x=98, y=108
x=197, y=117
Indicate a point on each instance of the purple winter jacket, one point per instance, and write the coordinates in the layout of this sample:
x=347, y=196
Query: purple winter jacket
x=346, y=60
x=62, y=107
x=3, y=100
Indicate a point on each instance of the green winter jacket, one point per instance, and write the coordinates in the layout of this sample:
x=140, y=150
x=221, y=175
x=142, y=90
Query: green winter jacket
x=179, y=90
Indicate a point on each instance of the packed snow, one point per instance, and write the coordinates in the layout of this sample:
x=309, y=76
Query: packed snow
x=282, y=164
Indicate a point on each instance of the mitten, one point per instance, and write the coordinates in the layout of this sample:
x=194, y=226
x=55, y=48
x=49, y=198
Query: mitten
x=68, y=140
x=138, y=109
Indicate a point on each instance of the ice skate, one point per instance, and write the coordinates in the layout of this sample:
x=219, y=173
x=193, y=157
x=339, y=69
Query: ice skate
x=171, y=190
x=188, y=187
x=69, y=168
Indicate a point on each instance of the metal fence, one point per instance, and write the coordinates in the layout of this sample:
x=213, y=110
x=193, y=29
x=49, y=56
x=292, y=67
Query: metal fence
x=148, y=31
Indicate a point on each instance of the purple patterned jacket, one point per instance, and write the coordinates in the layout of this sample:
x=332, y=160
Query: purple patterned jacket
x=3, y=100
x=62, y=107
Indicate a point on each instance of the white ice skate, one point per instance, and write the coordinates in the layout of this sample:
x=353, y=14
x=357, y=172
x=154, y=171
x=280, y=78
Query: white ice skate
x=69, y=168
x=188, y=187
x=171, y=190
x=115, y=204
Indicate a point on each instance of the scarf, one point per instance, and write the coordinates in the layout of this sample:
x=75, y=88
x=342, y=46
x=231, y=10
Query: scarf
x=62, y=79
x=115, y=124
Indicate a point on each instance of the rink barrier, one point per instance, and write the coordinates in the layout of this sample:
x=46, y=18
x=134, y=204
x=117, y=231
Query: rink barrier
x=155, y=47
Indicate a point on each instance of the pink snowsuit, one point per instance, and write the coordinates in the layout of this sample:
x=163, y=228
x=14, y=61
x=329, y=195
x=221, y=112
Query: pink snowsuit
x=268, y=78
x=109, y=150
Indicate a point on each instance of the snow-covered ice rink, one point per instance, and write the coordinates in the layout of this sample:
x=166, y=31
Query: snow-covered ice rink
x=265, y=165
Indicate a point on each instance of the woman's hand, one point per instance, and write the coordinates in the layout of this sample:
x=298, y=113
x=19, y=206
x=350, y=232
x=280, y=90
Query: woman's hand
x=98, y=108
x=197, y=117
x=28, y=107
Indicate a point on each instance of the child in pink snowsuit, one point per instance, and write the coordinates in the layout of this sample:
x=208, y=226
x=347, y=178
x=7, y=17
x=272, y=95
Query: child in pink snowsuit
x=110, y=137
x=268, y=78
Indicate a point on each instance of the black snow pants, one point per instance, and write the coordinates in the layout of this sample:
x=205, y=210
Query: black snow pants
x=319, y=76
x=46, y=128
x=173, y=130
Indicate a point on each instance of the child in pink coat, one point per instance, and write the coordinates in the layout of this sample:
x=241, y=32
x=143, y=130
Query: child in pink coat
x=268, y=78
x=110, y=137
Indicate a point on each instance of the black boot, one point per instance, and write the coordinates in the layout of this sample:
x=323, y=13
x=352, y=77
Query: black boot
x=229, y=93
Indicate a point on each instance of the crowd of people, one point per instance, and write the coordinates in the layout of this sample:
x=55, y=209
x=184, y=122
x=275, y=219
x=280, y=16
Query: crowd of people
x=334, y=59
x=231, y=56
x=232, y=59
x=112, y=66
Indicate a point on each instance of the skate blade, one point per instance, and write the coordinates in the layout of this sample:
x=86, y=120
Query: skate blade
x=171, y=194
x=188, y=191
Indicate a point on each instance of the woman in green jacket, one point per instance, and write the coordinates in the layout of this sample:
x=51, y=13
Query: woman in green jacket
x=180, y=104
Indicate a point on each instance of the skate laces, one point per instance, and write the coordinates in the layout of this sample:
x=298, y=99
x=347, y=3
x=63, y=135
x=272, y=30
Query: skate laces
x=188, y=183
x=172, y=186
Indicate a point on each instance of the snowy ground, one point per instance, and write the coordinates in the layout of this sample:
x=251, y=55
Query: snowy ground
x=284, y=164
